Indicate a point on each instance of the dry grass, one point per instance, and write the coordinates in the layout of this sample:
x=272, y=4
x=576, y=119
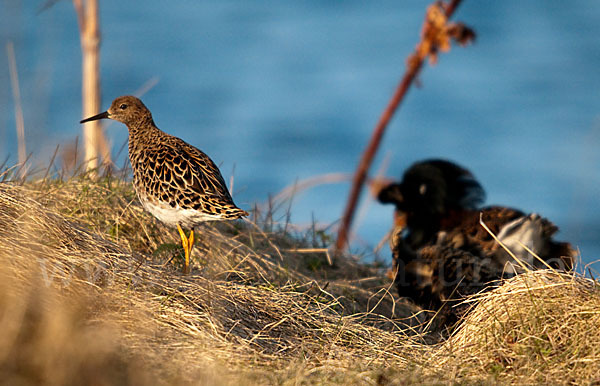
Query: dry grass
x=88, y=296
x=540, y=327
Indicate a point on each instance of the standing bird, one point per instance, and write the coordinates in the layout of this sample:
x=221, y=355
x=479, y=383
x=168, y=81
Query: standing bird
x=176, y=182
x=442, y=253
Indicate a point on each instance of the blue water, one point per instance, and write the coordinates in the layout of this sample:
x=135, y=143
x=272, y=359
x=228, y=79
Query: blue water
x=277, y=92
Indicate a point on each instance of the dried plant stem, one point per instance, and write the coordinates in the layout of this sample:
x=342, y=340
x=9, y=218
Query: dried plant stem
x=369, y=153
x=20, y=123
x=93, y=137
x=330, y=178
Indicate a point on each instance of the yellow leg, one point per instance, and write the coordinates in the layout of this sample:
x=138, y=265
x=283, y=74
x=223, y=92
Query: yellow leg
x=191, y=241
x=185, y=243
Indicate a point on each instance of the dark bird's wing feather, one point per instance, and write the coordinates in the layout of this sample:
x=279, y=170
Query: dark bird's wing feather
x=439, y=276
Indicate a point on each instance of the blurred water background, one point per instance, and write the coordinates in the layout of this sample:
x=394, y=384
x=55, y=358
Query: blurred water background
x=280, y=91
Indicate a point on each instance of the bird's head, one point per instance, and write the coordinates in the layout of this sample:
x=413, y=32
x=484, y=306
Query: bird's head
x=431, y=189
x=126, y=109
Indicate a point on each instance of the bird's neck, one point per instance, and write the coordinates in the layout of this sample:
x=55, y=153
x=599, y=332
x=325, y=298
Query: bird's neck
x=142, y=131
x=142, y=125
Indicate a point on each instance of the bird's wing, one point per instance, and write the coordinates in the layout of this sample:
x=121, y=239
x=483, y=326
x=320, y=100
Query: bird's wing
x=184, y=176
x=208, y=179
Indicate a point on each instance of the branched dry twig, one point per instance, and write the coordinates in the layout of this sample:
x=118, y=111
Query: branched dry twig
x=435, y=36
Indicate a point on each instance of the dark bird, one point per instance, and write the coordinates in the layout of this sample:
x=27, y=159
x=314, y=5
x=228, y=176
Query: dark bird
x=441, y=252
x=176, y=182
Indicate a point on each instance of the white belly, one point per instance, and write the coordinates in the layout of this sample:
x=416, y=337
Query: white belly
x=187, y=218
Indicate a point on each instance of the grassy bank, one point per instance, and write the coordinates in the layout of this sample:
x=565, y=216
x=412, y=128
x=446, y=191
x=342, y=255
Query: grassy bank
x=91, y=293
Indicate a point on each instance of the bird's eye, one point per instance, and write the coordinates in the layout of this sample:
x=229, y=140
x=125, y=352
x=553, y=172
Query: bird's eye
x=123, y=106
x=423, y=189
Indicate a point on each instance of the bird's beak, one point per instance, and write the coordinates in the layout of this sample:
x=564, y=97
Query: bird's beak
x=96, y=117
x=390, y=193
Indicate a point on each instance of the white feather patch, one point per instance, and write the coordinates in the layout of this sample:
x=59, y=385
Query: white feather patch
x=526, y=230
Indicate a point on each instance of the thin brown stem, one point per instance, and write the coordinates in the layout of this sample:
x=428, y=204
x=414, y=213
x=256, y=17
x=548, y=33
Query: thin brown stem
x=20, y=123
x=415, y=65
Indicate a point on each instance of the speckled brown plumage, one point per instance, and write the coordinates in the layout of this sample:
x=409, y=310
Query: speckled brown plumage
x=175, y=181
